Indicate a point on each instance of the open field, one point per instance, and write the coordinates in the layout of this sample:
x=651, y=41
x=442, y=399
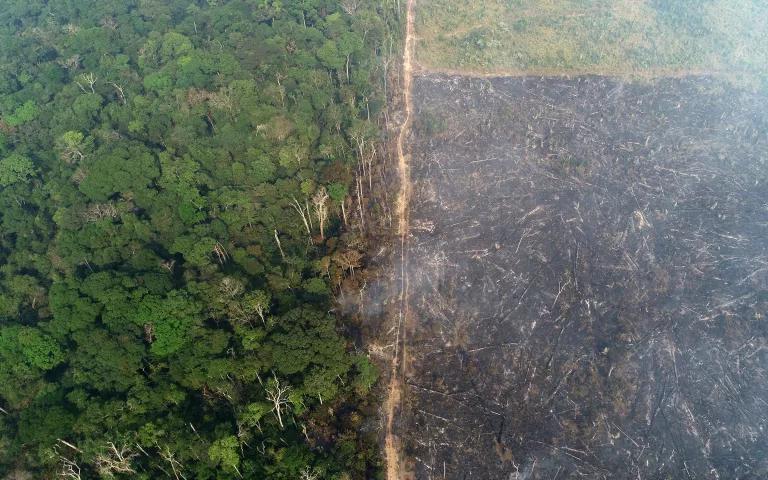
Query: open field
x=608, y=37
x=588, y=273
x=585, y=270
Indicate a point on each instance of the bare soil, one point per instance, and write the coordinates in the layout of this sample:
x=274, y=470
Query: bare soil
x=587, y=279
x=394, y=395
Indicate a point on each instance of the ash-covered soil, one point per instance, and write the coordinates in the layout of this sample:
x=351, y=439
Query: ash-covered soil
x=588, y=280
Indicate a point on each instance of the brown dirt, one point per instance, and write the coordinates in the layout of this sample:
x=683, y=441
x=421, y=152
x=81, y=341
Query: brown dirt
x=392, y=450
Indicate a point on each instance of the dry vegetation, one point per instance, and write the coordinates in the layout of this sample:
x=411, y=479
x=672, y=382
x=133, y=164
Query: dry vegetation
x=624, y=37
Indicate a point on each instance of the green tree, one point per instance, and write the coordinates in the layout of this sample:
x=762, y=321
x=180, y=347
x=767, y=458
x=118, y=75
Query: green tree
x=224, y=452
x=15, y=168
x=26, y=353
x=124, y=169
x=170, y=320
x=262, y=168
x=22, y=114
x=330, y=56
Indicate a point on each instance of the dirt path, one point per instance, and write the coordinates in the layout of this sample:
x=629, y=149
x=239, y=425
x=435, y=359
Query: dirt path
x=392, y=445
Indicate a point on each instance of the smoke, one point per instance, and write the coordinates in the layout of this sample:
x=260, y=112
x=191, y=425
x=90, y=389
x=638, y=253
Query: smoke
x=588, y=279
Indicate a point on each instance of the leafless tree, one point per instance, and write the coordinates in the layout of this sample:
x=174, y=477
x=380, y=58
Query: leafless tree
x=309, y=474
x=149, y=333
x=120, y=92
x=279, y=77
x=221, y=253
x=88, y=78
x=299, y=208
x=68, y=445
x=359, y=195
x=257, y=302
x=279, y=246
x=72, y=155
x=69, y=469
x=309, y=217
x=176, y=466
x=71, y=63
x=320, y=205
x=366, y=151
x=350, y=6
x=231, y=287
x=168, y=265
x=71, y=29
x=115, y=460
x=344, y=210
x=223, y=100
x=109, y=22
x=277, y=393
x=98, y=211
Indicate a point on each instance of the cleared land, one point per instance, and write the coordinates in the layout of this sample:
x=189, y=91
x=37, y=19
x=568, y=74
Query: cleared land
x=608, y=37
x=586, y=284
x=588, y=280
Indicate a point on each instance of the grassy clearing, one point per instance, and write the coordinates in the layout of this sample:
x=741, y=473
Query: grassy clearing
x=594, y=36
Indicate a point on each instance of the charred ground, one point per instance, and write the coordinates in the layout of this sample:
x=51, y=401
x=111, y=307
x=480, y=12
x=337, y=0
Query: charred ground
x=588, y=273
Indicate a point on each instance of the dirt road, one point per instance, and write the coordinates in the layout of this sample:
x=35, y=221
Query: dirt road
x=395, y=391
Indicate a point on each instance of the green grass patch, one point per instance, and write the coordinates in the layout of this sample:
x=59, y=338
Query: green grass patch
x=594, y=36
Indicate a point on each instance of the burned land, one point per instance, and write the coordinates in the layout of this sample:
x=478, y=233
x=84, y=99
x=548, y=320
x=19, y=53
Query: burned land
x=588, y=273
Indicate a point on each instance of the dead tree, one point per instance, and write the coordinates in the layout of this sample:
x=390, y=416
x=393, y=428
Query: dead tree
x=223, y=100
x=350, y=6
x=99, y=211
x=297, y=206
x=176, y=466
x=320, y=205
x=231, y=287
x=279, y=246
x=359, y=184
x=120, y=92
x=67, y=444
x=221, y=253
x=69, y=469
x=149, y=333
x=72, y=146
x=258, y=302
x=365, y=149
x=309, y=473
x=370, y=156
x=279, y=77
x=359, y=137
x=309, y=217
x=168, y=265
x=109, y=22
x=71, y=63
x=115, y=460
x=344, y=210
x=278, y=395
x=88, y=78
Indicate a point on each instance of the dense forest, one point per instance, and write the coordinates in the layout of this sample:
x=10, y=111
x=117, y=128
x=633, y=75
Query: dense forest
x=176, y=217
